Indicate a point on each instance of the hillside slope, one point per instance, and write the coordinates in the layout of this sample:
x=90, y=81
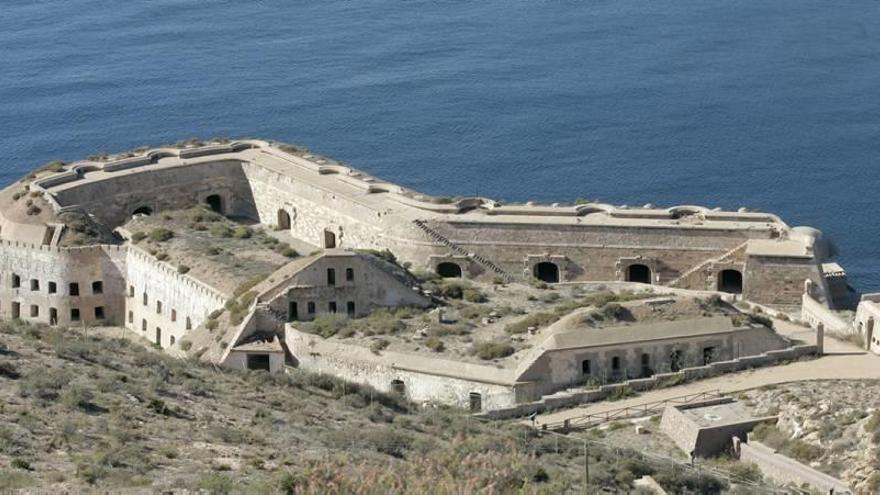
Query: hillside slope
x=83, y=411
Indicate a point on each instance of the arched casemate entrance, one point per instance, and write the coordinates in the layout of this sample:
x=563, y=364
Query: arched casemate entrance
x=449, y=270
x=638, y=273
x=142, y=210
x=283, y=220
x=547, y=272
x=730, y=281
x=215, y=202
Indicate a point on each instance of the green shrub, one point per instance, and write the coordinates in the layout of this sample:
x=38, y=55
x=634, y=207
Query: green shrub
x=242, y=232
x=218, y=484
x=220, y=230
x=161, y=256
x=77, y=397
x=378, y=345
x=537, y=320
x=327, y=325
x=160, y=234
x=138, y=236
x=183, y=269
x=434, y=343
x=249, y=284
x=492, y=350
x=747, y=471
x=473, y=295
x=185, y=345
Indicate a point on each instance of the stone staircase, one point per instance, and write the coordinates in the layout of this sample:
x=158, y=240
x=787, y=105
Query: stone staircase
x=485, y=263
x=720, y=259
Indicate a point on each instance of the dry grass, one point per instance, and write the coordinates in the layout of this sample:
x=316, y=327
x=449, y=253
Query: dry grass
x=81, y=412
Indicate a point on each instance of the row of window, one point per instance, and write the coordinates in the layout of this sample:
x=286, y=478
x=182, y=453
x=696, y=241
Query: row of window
x=331, y=275
x=158, y=339
x=332, y=307
x=146, y=302
x=173, y=318
x=53, y=313
x=710, y=354
x=72, y=288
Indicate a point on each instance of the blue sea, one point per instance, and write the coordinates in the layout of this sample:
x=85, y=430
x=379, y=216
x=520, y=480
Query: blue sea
x=771, y=105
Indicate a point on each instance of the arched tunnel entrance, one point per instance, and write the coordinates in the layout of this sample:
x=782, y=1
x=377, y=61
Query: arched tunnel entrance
x=215, y=202
x=730, y=281
x=449, y=270
x=638, y=273
x=547, y=272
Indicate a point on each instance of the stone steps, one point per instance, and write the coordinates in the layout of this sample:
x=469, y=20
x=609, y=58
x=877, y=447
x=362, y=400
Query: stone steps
x=458, y=249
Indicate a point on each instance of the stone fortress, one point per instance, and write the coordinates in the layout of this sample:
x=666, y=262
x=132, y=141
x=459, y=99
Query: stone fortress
x=66, y=259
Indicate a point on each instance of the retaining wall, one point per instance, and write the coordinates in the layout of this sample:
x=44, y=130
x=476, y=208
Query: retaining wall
x=573, y=398
x=785, y=470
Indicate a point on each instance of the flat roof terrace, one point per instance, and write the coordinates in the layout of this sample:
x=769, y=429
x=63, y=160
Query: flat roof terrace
x=390, y=199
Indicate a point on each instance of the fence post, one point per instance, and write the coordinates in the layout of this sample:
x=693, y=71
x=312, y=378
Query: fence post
x=586, y=468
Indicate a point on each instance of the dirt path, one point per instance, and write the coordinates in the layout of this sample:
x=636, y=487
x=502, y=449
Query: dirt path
x=842, y=361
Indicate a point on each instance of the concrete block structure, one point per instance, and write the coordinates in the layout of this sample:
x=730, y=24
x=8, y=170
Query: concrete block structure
x=707, y=428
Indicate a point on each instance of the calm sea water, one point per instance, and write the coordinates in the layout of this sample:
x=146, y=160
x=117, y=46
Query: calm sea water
x=771, y=105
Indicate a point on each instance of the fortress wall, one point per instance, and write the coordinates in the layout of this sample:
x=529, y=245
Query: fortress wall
x=62, y=266
x=778, y=280
x=181, y=296
x=591, y=252
x=358, y=365
x=114, y=199
x=312, y=210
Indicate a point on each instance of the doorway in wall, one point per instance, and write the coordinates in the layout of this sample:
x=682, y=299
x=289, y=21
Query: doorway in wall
x=449, y=270
x=730, y=281
x=215, y=202
x=329, y=239
x=292, y=311
x=283, y=220
x=258, y=362
x=475, y=402
x=547, y=272
x=638, y=273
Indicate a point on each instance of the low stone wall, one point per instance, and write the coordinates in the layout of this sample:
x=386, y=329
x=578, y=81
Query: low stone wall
x=814, y=312
x=571, y=399
x=785, y=470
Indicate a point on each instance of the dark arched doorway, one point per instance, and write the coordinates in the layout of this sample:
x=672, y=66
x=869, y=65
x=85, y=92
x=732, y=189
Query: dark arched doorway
x=547, y=272
x=449, y=270
x=215, y=202
x=329, y=239
x=142, y=210
x=730, y=281
x=638, y=273
x=283, y=220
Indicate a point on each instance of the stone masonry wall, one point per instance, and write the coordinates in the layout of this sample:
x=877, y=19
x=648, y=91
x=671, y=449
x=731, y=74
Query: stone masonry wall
x=174, y=303
x=358, y=365
x=45, y=275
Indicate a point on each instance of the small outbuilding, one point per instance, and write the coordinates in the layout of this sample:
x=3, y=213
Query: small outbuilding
x=707, y=428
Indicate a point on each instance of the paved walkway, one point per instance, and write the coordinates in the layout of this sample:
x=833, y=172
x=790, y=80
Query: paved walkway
x=842, y=361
